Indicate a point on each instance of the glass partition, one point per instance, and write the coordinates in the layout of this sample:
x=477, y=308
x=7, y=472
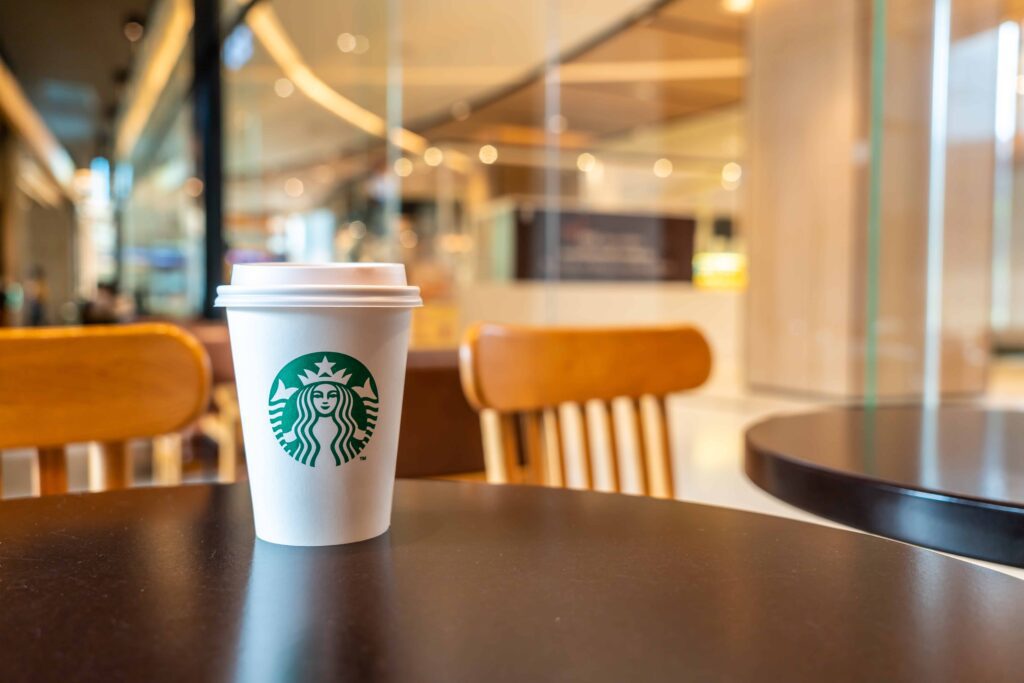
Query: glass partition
x=561, y=163
x=827, y=192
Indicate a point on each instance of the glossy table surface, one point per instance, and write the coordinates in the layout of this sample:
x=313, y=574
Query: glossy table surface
x=950, y=478
x=485, y=583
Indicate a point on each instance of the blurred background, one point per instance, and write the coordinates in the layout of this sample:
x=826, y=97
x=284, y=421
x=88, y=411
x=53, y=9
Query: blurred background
x=828, y=190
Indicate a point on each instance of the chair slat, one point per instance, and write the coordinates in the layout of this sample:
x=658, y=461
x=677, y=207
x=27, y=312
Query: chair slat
x=494, y=448
x=601, y=438
x=574, y=442
x=533, y=448
x=114, y=467
x=553, y=475
x=656, y=447
x=53, y=470
x=167, y=459
x=628, y=447
x=609, y=386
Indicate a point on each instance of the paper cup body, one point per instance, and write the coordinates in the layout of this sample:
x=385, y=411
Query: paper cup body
x=320, y=393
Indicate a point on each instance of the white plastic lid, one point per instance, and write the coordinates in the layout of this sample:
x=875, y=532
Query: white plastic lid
x=363, y=285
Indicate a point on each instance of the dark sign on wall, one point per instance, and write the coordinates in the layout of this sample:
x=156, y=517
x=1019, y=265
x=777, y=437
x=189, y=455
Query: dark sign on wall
x=594, y=246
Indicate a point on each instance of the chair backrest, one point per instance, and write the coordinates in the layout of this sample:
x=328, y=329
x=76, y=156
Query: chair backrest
x=106, y=384
x=580, y=407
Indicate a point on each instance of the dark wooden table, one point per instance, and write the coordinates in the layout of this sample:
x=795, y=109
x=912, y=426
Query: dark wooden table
x=951, y=478
x=484, y=583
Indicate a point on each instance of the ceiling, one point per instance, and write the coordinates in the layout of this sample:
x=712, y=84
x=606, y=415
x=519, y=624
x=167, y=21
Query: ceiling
x=443, y=52
x=64, y=54
x=626, y=66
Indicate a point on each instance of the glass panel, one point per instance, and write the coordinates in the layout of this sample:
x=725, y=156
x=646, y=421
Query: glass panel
x=517, y=162
x=155, y=181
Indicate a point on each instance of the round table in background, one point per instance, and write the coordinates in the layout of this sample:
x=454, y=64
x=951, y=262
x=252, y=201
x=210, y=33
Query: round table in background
x=485, y=583
x=949, y=478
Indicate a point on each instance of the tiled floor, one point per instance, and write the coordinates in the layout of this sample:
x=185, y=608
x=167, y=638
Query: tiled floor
x=707, y=444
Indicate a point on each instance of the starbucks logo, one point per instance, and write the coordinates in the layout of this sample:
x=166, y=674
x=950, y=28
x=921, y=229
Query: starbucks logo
x=324, y=403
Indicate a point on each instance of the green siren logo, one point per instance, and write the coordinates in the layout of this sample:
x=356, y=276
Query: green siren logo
x=324, y=403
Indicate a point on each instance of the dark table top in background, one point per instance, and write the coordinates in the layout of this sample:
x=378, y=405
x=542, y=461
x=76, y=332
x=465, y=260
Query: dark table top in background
x=951, y=478
x=485, y=583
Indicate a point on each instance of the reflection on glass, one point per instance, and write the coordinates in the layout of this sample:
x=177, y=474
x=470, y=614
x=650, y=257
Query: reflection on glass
x=493, y=162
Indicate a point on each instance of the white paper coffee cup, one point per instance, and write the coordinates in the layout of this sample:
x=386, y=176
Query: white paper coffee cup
x=319, y=354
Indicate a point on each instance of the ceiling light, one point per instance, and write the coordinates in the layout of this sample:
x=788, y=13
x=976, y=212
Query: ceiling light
x=293, y=187
x=488, y=154
x=663, y=168
x=433, y=156
x=403, y=167
x=283, y=87
x=731, y=172
x=362, y=44
x=346, y=42
x=737, y=6
x=586, y=162
x=133, y=31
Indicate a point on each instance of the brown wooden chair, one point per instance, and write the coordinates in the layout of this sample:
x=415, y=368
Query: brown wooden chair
x=579, y=407
x=101, y=384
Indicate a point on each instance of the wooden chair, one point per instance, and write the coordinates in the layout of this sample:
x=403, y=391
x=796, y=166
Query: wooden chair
x=578, y=407
x=101, y=384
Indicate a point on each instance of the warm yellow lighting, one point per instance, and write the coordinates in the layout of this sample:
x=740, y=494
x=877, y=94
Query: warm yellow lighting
x=737, y=6
x=731, y=173
x=713, y=68
x=663, y=168
x=267, y=28
x=193, y=187
x=433, y=156
x=346, y=42
x=719, y=270
x=586, y=162
x=293, y=187
x=403, y=167
x=362, y=44
x=156, y=62
x=488, y=154
x=283, y=87
x=26, y=122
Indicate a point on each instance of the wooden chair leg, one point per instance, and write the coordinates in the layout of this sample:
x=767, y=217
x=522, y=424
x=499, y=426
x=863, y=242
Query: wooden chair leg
x=53, y=471
x=167, y=459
